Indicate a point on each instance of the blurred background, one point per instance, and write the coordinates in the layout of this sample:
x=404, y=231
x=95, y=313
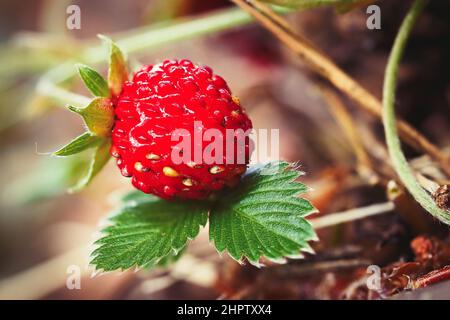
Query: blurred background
x=45, y=233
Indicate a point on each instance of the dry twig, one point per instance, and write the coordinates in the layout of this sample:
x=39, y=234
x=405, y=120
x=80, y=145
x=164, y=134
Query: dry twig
x=345, y=121
x=351, y=215
x=321, y=64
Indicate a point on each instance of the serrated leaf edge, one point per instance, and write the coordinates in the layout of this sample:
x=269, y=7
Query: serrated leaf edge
x=108, y=221
x=307, y=249
x=281, y=260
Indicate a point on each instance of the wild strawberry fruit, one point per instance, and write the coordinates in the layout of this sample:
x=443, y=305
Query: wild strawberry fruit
x=178, y=96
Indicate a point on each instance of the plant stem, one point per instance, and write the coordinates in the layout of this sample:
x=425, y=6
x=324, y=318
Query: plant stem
x=336, y=218
x=308, y=4
x=60, y=95
x=345, y=121
x=152, y=38
x=324, y=66
x=399, y=161
x=138, y=41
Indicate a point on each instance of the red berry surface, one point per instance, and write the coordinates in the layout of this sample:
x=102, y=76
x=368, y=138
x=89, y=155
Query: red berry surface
x=169, y=96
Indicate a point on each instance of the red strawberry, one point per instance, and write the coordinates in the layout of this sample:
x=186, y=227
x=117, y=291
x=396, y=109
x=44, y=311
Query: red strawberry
x=166, y=97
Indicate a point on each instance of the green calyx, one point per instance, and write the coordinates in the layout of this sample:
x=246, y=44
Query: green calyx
x=98, y=115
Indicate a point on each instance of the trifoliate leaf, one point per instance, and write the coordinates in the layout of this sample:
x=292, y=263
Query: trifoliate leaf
x=118, y=70
x=263, y=216
x=146, y=231
x=85, y=141
x=98, y=116
x=98, y=161
x=96, y=84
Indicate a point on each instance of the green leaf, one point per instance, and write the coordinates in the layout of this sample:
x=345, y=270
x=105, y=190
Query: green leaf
x=118, y=70
x=98, y=116
x=263, y=216
x=96, y=84
x=144, y=232
x=98, y=161
x=85, y=141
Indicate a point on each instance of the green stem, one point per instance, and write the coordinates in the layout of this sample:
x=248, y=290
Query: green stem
x=142, y=39
x=48, y=86
x=309, y=4
x=399, y=161
x=153, y=38
x=60, y=95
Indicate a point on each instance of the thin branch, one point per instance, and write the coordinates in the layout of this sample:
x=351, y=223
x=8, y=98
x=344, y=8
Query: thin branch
x=398, y=159
x=424, y=164
x=351, y=215
x=430, y=185
x=60, y=95
x=432, y=278
x=139, y=40
x=348, y=126
x=323, y=266
x=281, y=21
x=321, y=64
